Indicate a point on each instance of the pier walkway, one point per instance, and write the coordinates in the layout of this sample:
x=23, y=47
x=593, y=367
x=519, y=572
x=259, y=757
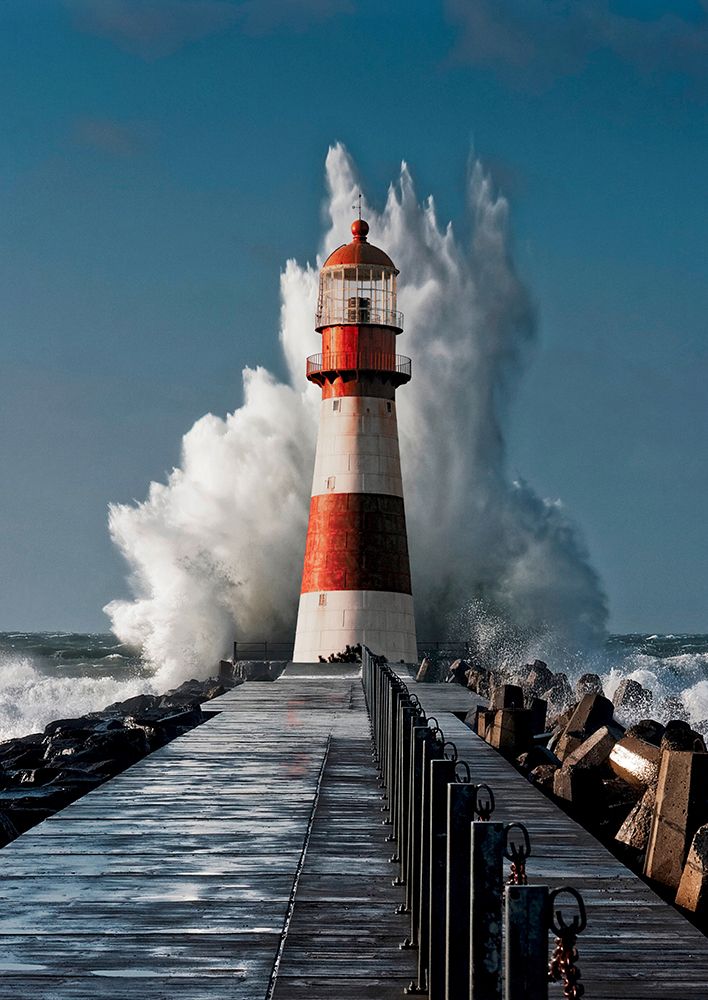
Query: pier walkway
x=246, y=861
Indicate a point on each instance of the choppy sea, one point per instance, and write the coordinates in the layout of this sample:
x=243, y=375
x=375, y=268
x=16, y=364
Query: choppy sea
x=51, y=675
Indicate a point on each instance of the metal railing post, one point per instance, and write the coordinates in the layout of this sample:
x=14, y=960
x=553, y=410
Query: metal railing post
x=409, y=716
x=415, y=796
x=461, y=802
x=486, y=884
x=442, y=773
x=432, y=751
x=526, y=943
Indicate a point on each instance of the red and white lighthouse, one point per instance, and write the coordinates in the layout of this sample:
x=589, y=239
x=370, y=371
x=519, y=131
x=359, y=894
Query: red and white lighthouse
x=356, y=582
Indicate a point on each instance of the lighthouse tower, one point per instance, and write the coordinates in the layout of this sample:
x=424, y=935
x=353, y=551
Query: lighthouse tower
x=356, y=582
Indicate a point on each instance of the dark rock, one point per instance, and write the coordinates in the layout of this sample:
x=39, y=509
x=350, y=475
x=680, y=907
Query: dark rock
x=34, y=776
x=13, y=748
x=124, y=745
x=648, y=730
x=134, y=706
x=588, y=684
x=8, y=830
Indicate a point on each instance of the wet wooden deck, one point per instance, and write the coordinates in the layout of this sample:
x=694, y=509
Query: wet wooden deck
x=177, y=878
x=635, y=946
x=246, y=860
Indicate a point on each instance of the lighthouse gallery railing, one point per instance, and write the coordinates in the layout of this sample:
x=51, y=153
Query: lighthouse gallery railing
x=359, y=361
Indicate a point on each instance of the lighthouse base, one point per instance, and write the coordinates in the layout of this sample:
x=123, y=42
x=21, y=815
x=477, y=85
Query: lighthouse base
x=328, y=621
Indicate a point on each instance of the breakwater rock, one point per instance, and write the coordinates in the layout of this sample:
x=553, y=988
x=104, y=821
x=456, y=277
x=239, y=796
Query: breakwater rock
x=43, y=772
x=638, y=784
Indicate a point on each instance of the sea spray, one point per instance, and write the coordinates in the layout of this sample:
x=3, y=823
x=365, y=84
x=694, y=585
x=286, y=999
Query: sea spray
x=217, y=551
x=31, y=697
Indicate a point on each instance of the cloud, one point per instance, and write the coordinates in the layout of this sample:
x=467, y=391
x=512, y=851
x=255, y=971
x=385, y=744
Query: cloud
x=153, y=29
x=108, y=136
x=537, y=41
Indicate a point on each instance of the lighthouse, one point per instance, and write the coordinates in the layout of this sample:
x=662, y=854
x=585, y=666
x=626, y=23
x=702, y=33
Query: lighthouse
x=356, y=581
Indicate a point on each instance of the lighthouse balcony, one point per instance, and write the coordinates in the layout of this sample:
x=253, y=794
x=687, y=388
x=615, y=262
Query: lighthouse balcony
x=349, y=365
x=357, y=311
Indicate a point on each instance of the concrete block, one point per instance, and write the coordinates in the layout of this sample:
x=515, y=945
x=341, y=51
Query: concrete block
x=566, y=743
x=681, y=807
x=678, y=735
x=635, y=761
x=693, y=888
x=507, y=696
x=577, y=785
x=538, y=709
x=478, y=681
x=593, y=711
x=648, y=730
x=588, y=684
x=537, y=756
x=423, y=670
x=594, y=751
x=631, y=699
x=458, y=671
x=538, y=678
x=635, y=830
x=510, y=730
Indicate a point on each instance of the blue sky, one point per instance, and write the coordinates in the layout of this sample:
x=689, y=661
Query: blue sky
x=163, y=158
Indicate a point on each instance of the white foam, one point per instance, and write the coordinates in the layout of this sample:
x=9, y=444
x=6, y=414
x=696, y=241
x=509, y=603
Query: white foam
x=29, y=699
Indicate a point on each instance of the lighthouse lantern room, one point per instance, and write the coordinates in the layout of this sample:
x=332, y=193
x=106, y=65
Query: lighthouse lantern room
x=356, y=584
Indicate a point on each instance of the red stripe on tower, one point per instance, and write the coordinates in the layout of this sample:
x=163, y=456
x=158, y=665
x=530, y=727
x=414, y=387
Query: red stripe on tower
x=356, y=582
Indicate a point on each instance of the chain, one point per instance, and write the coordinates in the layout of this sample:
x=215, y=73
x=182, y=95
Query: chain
x=517, y=854
x=563, y=967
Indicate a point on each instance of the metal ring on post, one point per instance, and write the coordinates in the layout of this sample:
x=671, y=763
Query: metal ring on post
x=449, y=756
x=468, y=779
x=484, y=809
x=517, y=852
x=556, y=919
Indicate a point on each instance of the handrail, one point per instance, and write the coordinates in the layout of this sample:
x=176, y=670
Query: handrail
x=359, y=361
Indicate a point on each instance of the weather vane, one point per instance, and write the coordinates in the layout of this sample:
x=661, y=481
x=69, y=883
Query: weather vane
x=359, y=206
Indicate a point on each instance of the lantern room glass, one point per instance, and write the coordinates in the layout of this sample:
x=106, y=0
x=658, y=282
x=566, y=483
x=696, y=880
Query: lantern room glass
x=359, y=293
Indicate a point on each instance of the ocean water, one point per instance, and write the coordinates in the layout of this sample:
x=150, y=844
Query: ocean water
x=51, y=675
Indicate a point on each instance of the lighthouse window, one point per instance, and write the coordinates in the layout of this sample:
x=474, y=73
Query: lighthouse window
x=330, y=482
x=323, y=600
x=388, y=407
x=335, y=404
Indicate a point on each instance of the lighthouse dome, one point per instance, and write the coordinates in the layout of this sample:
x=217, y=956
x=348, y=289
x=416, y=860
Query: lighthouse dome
x=358, y=284
x=359, y=251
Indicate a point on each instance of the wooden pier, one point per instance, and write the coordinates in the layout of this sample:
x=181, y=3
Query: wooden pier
x=247, y=860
